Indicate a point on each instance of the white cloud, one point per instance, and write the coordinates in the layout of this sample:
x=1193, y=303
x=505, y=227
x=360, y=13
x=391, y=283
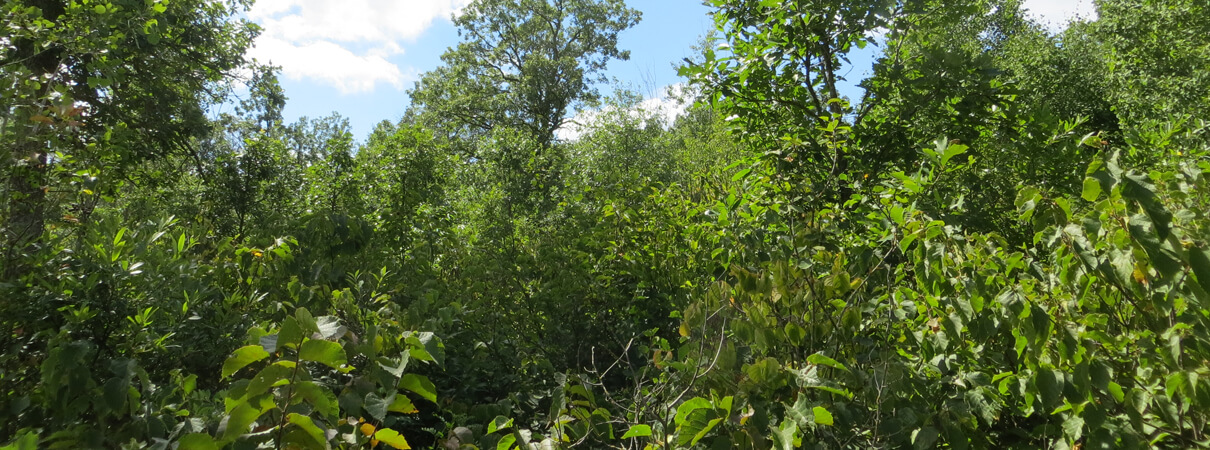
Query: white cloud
x=668, y=106
x=328, y=63
x=1056, y=13
x=343, y=43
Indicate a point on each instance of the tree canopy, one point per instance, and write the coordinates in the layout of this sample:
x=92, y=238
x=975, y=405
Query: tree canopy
x=1000, y=241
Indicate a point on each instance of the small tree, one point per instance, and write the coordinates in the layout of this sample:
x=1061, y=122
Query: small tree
x=523, y=64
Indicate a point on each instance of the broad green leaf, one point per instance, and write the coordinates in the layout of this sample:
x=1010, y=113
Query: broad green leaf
x=1139, y=188
x=1073, y=427
x=820, y=359
x=327, y=353
x=306, y=322
x=1176, y=384
x=786, y=436
x=403, y=404
x=795, y=333
x=688, y=407
x=822, y=416
x=307, y=425
x=1092, y=189
x=420, y=385
x=395, y=366
x=800, y=412
x=499, y=423
x=290, y=334
x=242, y=357
x=427, y=346
x=506, y=442
x=276, y=374
x=923, y=438
x=907, y=242
x=391, y=438
x=1159, y=249
x=637, y=431
x=952, y=151
x=319, y=397
x=238, y=422
x=329, y=327
x=197, y=441
x=376, y=406
x=1199, y=261
x=1116, y=391
x=705, y=429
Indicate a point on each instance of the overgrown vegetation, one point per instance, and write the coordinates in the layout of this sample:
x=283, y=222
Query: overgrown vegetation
x=1004, y=242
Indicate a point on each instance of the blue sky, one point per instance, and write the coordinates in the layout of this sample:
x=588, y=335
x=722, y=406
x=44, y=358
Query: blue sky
x=358, y=57
x=365, y=76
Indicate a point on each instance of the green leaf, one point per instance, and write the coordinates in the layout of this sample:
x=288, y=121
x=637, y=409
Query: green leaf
x=822, y=416
x=319, y=397
x=1199, y=261
x=923, y=438
x=702, y=430
x=197, y=441
x=1158, y=248
x=238, y=422
x=741, y=174
x=329, y=327
x=1176, y=384
x=420, y=385
x=242, y=357
x=800, y=412
x=327, y=353
x=290, y=334
x=795, y=333
x=392, y=438
x=403, y=404
x=637, y=431
x=1139, y=188
x=427, y=346
x=1092, y=189
x=952, y=151
x=308, y=426
x=688, y=407
x=375, y=406
x=786, y=436
x=1116, y=391
x=499, y=423
x=506, y=442
x=306, y=322
x=907, y=242
x=276, y=374
x=821, y=360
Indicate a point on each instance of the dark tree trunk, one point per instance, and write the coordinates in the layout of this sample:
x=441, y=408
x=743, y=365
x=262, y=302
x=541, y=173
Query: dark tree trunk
x=27, y=179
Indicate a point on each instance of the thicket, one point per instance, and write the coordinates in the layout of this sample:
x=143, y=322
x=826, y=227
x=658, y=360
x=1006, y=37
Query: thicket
x=1003, y=243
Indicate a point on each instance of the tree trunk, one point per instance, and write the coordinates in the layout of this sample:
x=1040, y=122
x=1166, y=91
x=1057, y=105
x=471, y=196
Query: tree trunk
x=27, y=176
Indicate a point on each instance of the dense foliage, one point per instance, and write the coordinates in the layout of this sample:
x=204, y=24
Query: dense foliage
x=1003, y=242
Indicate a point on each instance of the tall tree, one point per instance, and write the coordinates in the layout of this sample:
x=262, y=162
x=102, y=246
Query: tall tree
x=523, y=64
x=101, y=85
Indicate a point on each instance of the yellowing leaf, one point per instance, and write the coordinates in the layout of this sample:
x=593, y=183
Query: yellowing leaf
x=1139, y=276
x=822, y=416
x=392, y=438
